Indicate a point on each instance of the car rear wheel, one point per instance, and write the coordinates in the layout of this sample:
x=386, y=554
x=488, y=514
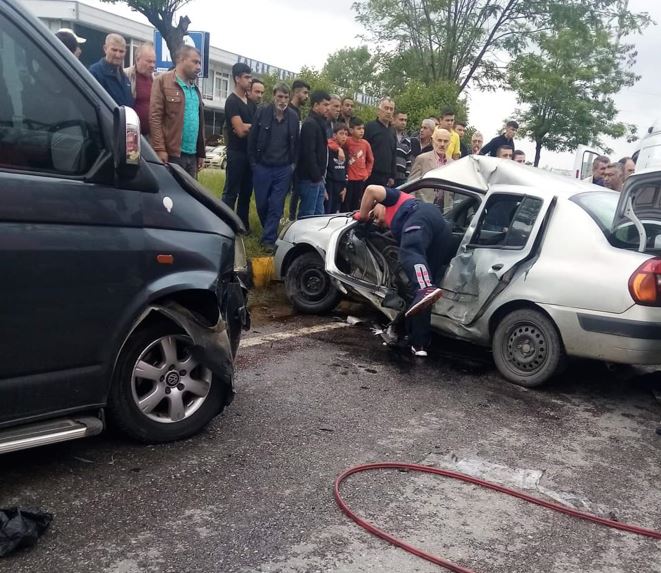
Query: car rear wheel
x=160, y=392
x=527, y=348
x=309, y=288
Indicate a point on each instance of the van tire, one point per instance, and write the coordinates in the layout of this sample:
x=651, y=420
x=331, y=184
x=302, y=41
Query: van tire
x=123, y=411
x=527, y=348
x=309, y=287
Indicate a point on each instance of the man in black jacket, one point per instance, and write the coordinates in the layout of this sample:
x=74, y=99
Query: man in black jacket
x=272, y=151
x=383, y=139
x=313, y=157
x=506, y=138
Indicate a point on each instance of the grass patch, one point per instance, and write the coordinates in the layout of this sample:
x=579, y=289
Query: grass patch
x=214, y=180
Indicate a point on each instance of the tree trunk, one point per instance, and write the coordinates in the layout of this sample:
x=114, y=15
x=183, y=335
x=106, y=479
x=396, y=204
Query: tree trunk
x=538, y=152
x=173, y=36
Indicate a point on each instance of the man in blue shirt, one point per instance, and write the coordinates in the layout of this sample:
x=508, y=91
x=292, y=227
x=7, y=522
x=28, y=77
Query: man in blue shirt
x=109, y=70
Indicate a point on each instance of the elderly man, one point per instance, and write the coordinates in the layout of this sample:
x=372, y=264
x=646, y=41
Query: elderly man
x=382, y=138
x=109, y=70
x=477, y=141
x=425, y=162
x=432, y=159
x=422, y=143
x=141, y=76
x=177, y=113
x=272, y=150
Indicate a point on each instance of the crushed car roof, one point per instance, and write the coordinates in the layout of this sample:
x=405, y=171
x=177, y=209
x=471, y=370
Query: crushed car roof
x=480, y=172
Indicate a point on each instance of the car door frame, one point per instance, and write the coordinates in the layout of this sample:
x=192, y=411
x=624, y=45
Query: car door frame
x=376, y=293
x=462, y=308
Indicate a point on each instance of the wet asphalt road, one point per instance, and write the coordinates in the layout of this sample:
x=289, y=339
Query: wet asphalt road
x=254, y=491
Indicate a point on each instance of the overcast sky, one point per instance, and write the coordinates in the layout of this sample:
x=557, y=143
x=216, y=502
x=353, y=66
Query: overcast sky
x=296, y=33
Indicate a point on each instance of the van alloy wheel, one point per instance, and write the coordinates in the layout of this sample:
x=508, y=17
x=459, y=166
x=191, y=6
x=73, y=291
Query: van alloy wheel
x=159, y=393
x=168, y=385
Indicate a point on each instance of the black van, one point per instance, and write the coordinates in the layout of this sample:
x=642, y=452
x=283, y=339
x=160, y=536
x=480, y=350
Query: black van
x=120, y=291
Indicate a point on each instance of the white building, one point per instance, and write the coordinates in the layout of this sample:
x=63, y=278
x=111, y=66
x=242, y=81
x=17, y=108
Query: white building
x=94, y=24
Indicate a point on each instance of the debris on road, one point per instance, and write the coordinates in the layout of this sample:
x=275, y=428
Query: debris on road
x=20, y=527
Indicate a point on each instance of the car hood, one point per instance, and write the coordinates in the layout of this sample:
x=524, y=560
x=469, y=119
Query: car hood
x=317, y=229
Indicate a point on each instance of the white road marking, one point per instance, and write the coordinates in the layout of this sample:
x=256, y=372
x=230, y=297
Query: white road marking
x=277, y=336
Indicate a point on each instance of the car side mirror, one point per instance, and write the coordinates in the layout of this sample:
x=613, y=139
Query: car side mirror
x=126, y=141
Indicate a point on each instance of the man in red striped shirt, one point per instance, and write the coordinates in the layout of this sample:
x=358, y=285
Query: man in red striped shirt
x=425, y=243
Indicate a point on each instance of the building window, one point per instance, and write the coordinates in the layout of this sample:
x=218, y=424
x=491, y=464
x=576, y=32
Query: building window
x=207, y=86
x=221, y=86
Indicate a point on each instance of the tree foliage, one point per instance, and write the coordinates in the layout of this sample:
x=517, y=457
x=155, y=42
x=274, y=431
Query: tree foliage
x=460, y=41
x=356, y=69
x=565, y=85
x=420, y=101
x=161, y=15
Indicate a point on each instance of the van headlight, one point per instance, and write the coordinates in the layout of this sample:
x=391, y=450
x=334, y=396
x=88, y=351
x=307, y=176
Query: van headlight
x=240, y=258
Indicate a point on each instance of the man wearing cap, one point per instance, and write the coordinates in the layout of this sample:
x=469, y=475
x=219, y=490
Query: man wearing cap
x=72, y=41
x=109, y=70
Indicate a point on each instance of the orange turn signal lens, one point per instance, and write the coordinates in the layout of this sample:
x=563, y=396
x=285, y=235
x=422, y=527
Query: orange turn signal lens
x=165, y=259
x=644, y=283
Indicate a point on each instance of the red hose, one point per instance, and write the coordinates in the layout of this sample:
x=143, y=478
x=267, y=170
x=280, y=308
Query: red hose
x=468, y=479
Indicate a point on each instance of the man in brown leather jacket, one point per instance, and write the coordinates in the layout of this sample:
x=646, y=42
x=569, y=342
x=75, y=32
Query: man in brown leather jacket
x=177, y=113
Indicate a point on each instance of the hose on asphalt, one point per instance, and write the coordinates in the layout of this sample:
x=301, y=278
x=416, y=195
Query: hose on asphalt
x=475, y=481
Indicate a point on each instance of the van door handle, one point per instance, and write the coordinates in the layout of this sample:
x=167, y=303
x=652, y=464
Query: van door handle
x=497, y=267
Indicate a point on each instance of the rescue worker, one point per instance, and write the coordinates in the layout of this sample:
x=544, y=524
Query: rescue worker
x=425, y=247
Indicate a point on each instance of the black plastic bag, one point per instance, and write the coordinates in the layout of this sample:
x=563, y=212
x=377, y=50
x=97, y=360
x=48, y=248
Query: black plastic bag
x=21, y=527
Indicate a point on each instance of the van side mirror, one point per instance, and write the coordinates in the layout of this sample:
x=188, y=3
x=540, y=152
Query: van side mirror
x=126, y=141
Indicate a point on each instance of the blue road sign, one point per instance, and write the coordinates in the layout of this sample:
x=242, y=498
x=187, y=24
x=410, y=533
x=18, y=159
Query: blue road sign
x=164, y=60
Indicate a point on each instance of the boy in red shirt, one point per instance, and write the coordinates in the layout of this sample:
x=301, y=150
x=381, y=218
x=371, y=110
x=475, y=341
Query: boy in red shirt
x=359, y=164
x=425, y=247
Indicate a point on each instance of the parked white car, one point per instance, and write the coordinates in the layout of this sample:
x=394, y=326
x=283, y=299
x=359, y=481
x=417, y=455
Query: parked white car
x=546, y=267
x=216, y=157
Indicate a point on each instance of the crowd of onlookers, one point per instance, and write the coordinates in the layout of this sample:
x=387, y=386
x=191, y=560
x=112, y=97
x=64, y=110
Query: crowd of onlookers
x=325, y=160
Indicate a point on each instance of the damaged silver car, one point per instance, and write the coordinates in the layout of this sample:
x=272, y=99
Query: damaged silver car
x=545, y=268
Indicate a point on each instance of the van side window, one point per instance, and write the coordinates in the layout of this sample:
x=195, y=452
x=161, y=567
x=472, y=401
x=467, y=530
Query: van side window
x=46, y=124
x=507, y=221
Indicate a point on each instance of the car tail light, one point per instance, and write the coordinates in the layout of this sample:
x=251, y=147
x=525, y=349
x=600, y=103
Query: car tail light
x=645, y=283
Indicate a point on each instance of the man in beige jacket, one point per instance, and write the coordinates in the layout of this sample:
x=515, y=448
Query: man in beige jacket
x=425, y=162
